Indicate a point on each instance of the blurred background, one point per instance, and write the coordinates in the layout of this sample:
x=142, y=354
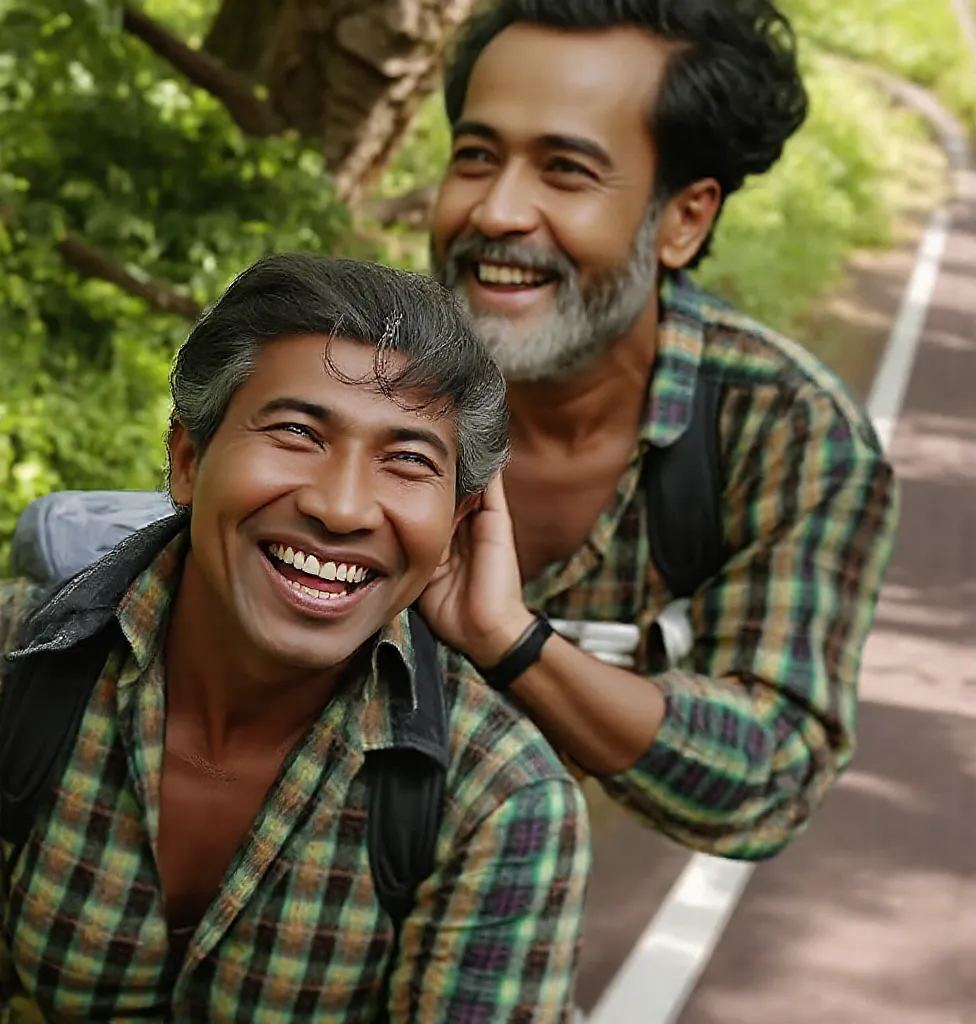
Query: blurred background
x=149, y=152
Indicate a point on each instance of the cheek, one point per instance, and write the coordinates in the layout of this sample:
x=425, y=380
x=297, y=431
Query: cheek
x=246, y=477
x=424, y=528
x=592, y=235
x=451, y=213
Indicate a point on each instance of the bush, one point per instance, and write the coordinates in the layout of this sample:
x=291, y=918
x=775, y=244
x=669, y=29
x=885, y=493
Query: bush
x=917, y=39
x=102, y=139
x=784, y=239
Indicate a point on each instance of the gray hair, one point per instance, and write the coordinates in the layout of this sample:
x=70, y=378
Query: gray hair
x=291, y=294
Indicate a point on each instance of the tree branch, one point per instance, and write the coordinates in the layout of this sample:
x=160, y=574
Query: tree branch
x=95, y=263
x=252, y=115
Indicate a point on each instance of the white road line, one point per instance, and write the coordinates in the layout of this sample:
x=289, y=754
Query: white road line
x=663, y=968
x=657, y=979
x=895, y=371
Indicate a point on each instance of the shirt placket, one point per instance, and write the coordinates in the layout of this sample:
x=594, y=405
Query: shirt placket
x=318, y=773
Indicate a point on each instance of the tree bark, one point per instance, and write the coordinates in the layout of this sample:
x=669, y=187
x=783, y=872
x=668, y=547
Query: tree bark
x=234, y=90
x=347, y=73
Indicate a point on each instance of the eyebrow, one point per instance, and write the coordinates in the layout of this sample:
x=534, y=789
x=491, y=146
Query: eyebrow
x=287, y=404
x=324, y=415
x=572, y=143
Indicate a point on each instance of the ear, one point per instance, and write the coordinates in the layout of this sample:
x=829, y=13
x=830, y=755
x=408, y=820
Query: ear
x=686, y=222
x=464, y=508
x=183, y=464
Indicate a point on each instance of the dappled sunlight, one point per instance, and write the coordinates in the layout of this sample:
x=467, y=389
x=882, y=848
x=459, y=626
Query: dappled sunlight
x=937, y=447
x=898, y=897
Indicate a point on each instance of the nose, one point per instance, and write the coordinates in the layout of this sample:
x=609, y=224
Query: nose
x=508, y=206
x=342, y=496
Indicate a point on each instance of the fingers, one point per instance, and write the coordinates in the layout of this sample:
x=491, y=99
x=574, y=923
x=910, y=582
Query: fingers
x=493, y=499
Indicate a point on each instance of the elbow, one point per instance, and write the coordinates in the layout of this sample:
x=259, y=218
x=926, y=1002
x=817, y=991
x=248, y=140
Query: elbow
x=746, y=821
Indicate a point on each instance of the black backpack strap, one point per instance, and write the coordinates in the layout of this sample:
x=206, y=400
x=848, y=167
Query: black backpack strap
x=42, y=702
x=683, y=484
x=406, y=793
x=406, y=787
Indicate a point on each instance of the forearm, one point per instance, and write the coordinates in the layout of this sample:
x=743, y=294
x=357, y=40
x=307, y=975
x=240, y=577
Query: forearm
x=604, y=718
x=736, y=770
x=718, y=765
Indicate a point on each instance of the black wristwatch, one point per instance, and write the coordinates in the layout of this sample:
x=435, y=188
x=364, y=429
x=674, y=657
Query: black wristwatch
x=524, y=653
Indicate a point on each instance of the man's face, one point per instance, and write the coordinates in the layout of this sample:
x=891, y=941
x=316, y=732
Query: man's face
x=544, y=224
x=320, y=508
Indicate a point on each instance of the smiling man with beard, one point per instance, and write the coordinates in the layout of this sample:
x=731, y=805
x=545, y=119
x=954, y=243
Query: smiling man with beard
x=595, y=143
x=206, y=848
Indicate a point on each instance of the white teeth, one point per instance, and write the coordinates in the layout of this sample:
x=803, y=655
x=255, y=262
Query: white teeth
x=492, y=273
x=319, y=595
x=324, y=570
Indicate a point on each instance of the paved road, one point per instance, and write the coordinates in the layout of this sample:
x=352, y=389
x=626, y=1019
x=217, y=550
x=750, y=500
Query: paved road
x=871, y=918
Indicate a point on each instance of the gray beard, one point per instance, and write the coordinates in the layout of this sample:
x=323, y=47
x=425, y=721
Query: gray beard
x=580, y=328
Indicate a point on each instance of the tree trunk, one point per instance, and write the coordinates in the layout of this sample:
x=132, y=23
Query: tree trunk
x=349, y=73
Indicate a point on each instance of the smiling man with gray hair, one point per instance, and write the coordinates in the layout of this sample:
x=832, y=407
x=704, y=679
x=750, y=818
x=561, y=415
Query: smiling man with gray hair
x=234, y=782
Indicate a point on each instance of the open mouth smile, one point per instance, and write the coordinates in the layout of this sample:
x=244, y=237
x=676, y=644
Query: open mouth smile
x=317, y=585
x=511, y=276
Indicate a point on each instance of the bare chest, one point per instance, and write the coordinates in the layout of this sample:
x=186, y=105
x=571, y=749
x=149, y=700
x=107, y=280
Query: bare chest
x=556, y=503
x=206, y=811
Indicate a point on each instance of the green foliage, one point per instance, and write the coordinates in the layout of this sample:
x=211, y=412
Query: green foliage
x=917, y=39
x=784, y=239
x=102, y=139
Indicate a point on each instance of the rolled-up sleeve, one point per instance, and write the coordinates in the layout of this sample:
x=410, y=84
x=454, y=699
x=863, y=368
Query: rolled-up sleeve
x=761, y=720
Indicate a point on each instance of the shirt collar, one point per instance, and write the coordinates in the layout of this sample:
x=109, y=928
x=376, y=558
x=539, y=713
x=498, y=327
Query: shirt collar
x=680, y=343
x=391, y=692
x=144, y=610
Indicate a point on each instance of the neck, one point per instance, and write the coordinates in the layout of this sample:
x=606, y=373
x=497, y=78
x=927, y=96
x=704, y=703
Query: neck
x=231, y=695
x=607, y=398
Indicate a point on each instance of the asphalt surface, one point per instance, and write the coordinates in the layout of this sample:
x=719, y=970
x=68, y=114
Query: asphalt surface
x=871, y=917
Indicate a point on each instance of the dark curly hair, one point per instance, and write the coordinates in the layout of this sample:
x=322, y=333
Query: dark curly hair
x=731, y=97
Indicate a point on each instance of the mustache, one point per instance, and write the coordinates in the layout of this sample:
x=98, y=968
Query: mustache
x=478, y=247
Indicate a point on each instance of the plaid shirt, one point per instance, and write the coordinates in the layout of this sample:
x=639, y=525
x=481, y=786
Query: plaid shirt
x=760, y=718
x=295, y=932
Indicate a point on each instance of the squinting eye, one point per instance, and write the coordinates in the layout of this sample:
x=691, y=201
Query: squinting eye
x=563, y=166
x=298, y=429
x=471, y=154
x=416, y=459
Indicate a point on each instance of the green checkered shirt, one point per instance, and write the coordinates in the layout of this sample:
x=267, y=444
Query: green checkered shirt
x=760, y=718
x=295, y=932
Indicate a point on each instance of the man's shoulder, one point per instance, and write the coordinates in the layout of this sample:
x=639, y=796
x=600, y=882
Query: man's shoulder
x=496, y=750
x=746, y=354
x=18, y=598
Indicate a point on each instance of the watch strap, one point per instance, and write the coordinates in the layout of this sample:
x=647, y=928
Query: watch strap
x=524, y=653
